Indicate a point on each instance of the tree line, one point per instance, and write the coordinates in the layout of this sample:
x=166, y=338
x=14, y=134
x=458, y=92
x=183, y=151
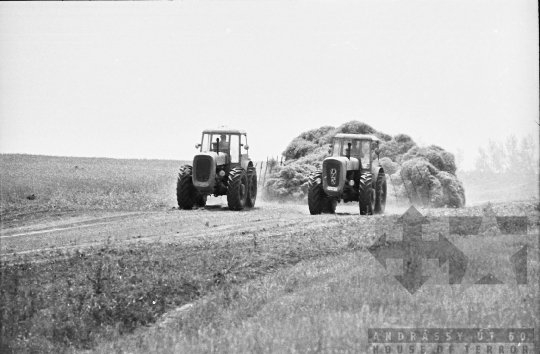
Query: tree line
x=510, y=156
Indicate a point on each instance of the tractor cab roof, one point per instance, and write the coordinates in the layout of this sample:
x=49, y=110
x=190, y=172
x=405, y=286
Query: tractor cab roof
x=223, y=130
x=356, y=136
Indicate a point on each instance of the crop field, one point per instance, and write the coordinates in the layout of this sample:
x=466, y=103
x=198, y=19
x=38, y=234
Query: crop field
x=74, y=183
x=99, y=261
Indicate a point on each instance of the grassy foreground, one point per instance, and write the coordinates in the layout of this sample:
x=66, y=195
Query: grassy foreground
x=327, y=304
x=267, y=291
x=291, y=290
x=80, y=298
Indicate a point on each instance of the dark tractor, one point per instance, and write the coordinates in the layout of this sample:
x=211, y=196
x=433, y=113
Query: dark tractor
x=219, y=169
x=351, y=173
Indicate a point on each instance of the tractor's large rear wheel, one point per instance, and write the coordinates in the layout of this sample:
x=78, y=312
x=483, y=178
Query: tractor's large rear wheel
x=367, y=194
x=318, y=202
x=186, y=193
x=237, y=191
x=252, y=187
x=380, y=194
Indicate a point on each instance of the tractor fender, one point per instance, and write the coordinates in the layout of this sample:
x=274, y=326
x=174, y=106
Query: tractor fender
x=376, y=170
x=246, y=163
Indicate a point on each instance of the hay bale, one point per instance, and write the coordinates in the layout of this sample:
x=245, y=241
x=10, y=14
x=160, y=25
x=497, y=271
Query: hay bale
x=437, y=156
x=315, y=135
x=299, y=148
x=419, y=174
x=395, y=148
x=430, y=186
x=389, y=166
x=289, y=182
x=454, y=192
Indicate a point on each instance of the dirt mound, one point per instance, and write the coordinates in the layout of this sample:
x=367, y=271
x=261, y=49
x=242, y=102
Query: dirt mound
x=423, y=175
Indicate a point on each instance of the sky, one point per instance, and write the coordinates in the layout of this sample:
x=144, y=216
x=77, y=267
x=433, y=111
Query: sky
x=143, y=79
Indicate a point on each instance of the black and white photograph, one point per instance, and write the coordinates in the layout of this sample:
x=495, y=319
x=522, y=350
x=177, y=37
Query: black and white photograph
x=247, y=176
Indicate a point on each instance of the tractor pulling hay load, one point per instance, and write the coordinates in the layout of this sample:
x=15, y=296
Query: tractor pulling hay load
x=219, y=169
x=351, y=173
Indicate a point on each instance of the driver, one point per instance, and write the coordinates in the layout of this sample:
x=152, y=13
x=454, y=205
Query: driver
x=223, y=143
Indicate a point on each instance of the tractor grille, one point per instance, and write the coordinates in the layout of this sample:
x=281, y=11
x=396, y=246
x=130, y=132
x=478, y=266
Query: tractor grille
x=202, y=170
x=333, y=174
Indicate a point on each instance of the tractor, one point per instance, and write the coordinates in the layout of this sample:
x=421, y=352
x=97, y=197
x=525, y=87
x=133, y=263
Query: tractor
x=220, y=168
x=351, y=173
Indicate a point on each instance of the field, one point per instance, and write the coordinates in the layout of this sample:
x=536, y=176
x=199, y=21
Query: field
x=99, y=261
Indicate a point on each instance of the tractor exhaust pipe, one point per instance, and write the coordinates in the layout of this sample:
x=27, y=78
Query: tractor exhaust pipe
x=217, y=146
x=349, y=151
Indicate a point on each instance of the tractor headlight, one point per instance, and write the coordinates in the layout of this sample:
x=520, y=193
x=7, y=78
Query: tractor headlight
x=351, y=182
x=221, y=173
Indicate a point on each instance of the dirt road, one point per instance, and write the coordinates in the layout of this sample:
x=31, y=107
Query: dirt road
x=77, y=230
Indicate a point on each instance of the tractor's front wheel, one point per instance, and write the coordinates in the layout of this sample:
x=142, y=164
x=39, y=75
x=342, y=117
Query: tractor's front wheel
x=186, y=193
x=367, y=194
x=252, y=187
x=318, y=202
x=380, y=194
x=237, y=190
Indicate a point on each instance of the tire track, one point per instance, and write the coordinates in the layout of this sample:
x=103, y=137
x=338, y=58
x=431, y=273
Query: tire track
x=71, y=226
x=189, y=235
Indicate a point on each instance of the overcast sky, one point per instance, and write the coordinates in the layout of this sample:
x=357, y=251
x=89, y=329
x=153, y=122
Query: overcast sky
x=143, y=79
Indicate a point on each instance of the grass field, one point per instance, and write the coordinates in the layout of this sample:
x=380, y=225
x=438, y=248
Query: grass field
x=328, y=303
x=285, y=289
x=77, y=183
x=498, y=188
x=111, y=290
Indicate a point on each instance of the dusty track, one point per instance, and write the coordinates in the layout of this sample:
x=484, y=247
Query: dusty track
x=83, y=230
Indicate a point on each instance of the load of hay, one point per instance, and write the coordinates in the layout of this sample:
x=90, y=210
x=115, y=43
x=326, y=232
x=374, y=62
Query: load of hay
x=419, y=175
